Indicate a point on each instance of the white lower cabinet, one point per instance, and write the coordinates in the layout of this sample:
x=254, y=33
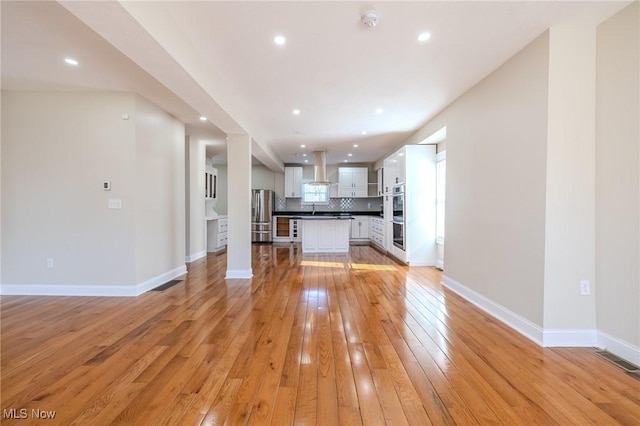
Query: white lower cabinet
x=376, y=231
x=217, y=234
x=360, y=228
x=325, y=236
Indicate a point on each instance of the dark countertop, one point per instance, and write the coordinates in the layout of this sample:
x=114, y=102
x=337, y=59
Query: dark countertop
x=323, y=217
x=326, y=213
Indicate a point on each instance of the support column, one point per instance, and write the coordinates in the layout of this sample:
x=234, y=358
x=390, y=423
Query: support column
x=239, y=207
x=196, y=225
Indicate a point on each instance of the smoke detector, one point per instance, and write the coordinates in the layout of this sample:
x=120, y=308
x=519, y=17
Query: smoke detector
x=370, y=18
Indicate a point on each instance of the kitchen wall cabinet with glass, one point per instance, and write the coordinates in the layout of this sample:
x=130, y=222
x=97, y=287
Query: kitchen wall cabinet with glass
x=210, y=183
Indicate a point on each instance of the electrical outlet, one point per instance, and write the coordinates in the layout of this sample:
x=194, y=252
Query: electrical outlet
x=585, y=288
x=49, y=263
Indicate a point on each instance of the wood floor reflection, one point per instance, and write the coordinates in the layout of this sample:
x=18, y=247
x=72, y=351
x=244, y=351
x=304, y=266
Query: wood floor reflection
x=312, y=339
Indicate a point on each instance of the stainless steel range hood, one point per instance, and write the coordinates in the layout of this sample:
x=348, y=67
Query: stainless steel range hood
x=320, y=168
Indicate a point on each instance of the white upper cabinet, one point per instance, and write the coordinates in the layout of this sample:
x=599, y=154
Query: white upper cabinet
x=353, y=182
x=293, y=182
x=397, y=162
x=389, y=175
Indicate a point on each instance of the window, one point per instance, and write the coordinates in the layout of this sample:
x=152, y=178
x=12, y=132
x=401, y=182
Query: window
x=315, y=194
x=441, y=174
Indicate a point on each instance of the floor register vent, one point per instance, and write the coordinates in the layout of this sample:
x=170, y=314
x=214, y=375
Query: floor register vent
x=167, y=285
x=625, y=365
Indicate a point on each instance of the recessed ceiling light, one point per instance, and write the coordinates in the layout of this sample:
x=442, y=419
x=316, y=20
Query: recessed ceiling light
x=279, y=40
x=71, y=61
x=296, y=112
x=364, y=132
x=424, y=37
x=304, y=155
x=355, y=145
x=306, y=161
x=349, y=155
x=379, y=111
x=346, y=161
x=303, y=146
x=203, y=118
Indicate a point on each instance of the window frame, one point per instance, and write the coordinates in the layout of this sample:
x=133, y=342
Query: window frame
x=304, y=192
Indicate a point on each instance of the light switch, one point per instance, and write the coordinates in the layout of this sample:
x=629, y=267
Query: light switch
x=106, y=185
x=115, y=203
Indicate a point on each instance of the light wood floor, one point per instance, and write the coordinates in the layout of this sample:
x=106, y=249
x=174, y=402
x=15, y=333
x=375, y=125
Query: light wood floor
x=313, y=339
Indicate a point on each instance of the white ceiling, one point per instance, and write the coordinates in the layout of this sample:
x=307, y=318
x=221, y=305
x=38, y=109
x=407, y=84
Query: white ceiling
x=219, y=59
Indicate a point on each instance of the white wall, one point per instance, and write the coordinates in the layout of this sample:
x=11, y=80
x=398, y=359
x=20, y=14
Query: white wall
x=195, y=202
x=159, y=184
x=496, y=165
x=220, y=204
x=543, y=187
x=262, y=178
x=570, y=191
x=239, y=171
x=58, y=148
x=618, y=177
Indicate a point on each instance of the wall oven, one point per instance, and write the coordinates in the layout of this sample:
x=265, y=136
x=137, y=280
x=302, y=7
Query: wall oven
x=398, y=217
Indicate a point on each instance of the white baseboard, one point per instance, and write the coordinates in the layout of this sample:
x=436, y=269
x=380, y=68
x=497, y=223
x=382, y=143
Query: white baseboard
x=548, y=337
x=425, y=263
x=90, y=290
x=195, y=257
x=68, y=290
x=623, y=349
x=233, y=274
x=520, y=324
x=579, y=338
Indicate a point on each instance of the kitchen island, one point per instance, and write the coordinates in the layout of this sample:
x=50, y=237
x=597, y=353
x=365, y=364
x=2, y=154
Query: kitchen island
x=325, y=234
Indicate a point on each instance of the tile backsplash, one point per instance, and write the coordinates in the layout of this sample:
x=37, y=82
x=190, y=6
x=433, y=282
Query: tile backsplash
x=335, y=204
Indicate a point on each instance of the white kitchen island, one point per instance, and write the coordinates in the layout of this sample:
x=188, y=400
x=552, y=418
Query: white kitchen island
x=325, y=234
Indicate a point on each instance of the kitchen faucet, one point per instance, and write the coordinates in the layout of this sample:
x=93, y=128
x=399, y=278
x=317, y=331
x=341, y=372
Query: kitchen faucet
x=313, y=211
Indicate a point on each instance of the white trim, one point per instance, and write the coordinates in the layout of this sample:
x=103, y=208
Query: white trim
x=578, y=338
x=425, y=263
x=160, y=279
x=439, y=264
x=624, y=350
x=436, y=137
x=233, y=274
x=195, y=257
x=90, y=290
x=550, y=337
x=67, y=290
x=520, y=324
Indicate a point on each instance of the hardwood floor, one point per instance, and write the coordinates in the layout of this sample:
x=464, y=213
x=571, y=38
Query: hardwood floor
x=314, y=339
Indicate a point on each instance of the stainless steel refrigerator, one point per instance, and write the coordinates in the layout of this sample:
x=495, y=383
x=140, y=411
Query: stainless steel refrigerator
x=261, y=205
